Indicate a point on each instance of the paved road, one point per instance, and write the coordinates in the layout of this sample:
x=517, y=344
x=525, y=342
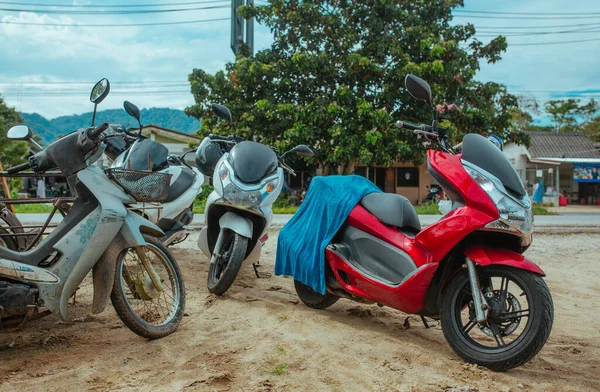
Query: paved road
x=556, y=221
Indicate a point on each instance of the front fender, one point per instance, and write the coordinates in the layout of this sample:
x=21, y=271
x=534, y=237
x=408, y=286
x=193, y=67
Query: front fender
x=484, y=256
x=105, y=269
x=135, y=225
x=236, y=223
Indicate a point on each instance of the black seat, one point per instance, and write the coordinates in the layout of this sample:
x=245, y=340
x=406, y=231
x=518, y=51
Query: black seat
x=181, y=184
x=392, y=209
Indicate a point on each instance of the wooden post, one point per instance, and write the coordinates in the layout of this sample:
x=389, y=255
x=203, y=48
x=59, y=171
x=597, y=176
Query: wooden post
x=6, y=190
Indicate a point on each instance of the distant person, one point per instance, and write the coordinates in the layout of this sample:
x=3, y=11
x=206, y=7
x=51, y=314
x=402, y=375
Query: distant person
x=41, y=188
x=595, y=173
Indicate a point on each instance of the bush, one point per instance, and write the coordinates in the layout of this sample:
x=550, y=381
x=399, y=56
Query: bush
x=200, y=200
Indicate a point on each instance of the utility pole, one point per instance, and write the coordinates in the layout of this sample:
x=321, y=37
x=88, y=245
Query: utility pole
x=237, y=28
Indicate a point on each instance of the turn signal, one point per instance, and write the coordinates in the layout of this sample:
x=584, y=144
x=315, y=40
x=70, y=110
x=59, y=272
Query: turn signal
x=270, y=187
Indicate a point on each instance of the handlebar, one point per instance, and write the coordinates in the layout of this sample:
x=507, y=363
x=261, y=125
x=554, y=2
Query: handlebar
x=95, y=132
x=18, y=168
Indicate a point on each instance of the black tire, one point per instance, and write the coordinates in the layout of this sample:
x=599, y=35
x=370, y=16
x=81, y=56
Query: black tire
x=223, y=272
x=8, y=241
x=504, y=356
x=124, y=309
x=312, y=299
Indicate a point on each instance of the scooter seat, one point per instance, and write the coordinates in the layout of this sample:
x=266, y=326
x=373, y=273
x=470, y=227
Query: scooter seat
x=392, y=209
x=181, y=184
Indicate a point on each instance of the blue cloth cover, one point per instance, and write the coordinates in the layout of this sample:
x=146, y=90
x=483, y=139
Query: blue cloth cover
x=302, y=241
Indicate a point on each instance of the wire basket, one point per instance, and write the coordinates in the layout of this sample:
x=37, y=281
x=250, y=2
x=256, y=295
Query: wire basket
x=143, y=186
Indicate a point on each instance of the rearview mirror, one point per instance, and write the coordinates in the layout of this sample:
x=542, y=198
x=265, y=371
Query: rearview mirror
x=132, y=110
x=303, y=151
x=19, y=132
x=222, y=112
x=418, y=88
x=100, y=91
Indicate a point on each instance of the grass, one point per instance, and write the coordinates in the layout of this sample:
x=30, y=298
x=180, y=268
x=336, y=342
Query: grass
x=32, y=208
x=282, y=317
x=280, y=369
x=423, y=209
x=427, y=209
x=537, y=210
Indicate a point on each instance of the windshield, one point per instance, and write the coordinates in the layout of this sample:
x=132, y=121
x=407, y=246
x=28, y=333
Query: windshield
x=138, y=156
x=252, y=161
x=481, y=152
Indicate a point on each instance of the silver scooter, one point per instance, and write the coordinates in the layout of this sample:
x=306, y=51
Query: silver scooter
x=99, y=234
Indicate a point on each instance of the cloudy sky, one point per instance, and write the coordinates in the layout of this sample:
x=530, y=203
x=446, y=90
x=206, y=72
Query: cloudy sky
x=49, y=68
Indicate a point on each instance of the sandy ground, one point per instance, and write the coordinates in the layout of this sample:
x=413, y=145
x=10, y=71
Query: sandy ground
x=259, y=338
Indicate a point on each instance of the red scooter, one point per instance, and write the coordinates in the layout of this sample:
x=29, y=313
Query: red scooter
x=466, y=270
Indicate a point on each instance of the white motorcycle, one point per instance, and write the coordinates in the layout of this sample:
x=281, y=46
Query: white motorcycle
x=136, y=152
x=98, y=234
x=248, y=178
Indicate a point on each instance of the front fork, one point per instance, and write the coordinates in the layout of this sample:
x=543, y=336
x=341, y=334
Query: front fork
x=481, y=305
x=217, y=249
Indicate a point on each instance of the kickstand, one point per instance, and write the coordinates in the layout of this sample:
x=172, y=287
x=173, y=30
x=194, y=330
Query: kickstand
x=256, y=270
x=424, y=322
x=258, y=274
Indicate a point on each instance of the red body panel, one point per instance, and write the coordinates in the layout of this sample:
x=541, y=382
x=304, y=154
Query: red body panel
x=483, y=255
x=442, y=236
x=451, y=168
x=407, y=297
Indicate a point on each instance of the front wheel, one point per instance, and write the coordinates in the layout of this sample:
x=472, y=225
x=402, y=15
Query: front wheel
x=150, y=311
x=519, y=321
x=223, y=271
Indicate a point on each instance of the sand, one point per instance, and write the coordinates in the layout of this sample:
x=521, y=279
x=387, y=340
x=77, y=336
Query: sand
x=259, y=337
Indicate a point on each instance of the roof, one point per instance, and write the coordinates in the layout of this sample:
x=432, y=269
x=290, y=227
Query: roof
x=175, y=134
x=561, y=145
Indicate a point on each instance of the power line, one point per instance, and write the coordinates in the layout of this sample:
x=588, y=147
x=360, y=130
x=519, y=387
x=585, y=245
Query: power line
x=114, y=24
x=136, y=82
x=526, y=17
x=107, y=6
x=110, y=12
x=527, y=13
x=537, y=27
x=529, y=33
x=554, y=43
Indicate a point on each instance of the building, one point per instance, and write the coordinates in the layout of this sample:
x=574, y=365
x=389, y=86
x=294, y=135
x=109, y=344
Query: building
x=410, y=181
x=565, y=163
x=176, y=142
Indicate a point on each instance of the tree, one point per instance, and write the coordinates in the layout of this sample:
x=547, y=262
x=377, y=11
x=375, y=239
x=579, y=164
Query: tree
x=334, y=79
x=11, y=152
x=522, y=116
x=567, y=115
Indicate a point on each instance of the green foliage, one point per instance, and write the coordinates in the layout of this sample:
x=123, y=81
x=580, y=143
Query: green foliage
x=568, y=115
x=33, y=208
x=11, y=152
x=200, y=200
x=49, y=130
x=538, y=210
x=333, y=79
x=565, y=113
x=428, y=209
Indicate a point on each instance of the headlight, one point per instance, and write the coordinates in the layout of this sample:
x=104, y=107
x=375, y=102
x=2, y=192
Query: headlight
x=240, y=197
x=516, y=214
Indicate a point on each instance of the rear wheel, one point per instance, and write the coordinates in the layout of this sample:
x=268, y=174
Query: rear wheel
x=312, y=299
x=149, y=312
x=8, y=241
x=224, y=270
x=519, y=319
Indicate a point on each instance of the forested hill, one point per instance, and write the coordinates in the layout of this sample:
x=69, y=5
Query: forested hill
x=48, y=130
